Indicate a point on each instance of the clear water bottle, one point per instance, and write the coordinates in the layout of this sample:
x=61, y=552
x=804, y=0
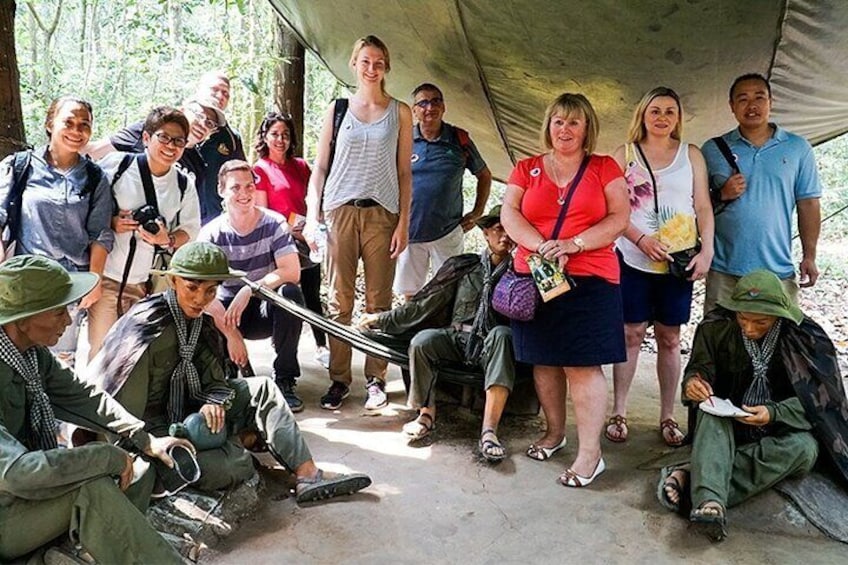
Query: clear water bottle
x=317, y=255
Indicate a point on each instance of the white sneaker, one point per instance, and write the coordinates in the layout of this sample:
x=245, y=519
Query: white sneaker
x=376, y=395
x=322, y=357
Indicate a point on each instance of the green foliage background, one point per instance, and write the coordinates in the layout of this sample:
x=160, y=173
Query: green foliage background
x=127, y=56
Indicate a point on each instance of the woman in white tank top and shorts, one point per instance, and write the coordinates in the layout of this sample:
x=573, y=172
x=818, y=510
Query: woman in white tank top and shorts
x=669, y=211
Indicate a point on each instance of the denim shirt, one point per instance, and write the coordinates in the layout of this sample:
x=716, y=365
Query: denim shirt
x=56, y=219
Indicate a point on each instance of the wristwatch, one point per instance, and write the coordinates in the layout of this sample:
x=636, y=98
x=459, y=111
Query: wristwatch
x=578, y=241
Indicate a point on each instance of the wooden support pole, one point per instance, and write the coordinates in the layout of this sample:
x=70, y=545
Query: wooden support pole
x=11, y=117
x=290, y=78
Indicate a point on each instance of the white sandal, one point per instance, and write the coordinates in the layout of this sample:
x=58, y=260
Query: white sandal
x=418, y=429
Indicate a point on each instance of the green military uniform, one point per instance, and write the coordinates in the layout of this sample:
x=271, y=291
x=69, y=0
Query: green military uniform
x=144, y=389
x=728, y=466
x=44, y=494
x=460, y=296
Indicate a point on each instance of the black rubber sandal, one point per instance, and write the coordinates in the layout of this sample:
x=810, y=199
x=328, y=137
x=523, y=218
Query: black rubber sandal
x=483, y=446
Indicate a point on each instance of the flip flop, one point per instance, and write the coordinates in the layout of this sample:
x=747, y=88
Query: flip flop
x=418, y=429
x=484, y=446
x=540, y=453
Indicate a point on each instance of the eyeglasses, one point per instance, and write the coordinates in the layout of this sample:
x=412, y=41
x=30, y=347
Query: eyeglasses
x=200, y=115
x=165, y=139
x=425, y=102
x=275, y=135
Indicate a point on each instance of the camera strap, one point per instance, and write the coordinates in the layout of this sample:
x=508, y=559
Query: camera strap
x=150, y=199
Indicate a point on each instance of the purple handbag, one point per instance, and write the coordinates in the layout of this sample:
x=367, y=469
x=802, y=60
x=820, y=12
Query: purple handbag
x=515, y=296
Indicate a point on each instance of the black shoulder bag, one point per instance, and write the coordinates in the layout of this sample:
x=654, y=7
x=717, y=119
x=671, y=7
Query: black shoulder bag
x=715, y=195
x=679, y=262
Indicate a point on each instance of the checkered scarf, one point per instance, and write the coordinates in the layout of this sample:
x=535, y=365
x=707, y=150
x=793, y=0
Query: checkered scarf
x=185, y=371
x=484, y=319
x=759, y=391
x=42, y=423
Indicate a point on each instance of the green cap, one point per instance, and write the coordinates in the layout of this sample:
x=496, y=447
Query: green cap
x=490, y=219
x=200, y=260
x=762, y=292
x=32, y=284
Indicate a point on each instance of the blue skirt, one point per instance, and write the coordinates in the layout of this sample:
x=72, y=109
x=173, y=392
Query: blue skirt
x=582, y=328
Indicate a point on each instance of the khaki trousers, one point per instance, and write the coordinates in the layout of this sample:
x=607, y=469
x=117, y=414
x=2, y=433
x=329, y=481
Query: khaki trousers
x=354, y=234
x=104, y=313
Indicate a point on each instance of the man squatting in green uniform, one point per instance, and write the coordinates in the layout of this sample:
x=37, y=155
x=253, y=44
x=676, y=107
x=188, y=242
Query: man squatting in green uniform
x=459, y=296
x=46, y=491
x=762, y=353
x=165, y=359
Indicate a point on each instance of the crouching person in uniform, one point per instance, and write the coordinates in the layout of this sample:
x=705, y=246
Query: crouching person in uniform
x=759, y=351
x=46, y=491
x=476, y=334
x=165, y=360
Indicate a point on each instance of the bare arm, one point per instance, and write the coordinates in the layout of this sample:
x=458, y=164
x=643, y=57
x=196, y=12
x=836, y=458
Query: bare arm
x=700, y=264
x=97, y=260
x=484, y=187
x=98, y=149
x=519, y=229
x=404, y=169
x=632, y=233
x=319, y=174
x=809, y=228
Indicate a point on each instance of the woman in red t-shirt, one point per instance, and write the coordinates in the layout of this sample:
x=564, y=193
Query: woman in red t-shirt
x=572, y=335
x=281, y=181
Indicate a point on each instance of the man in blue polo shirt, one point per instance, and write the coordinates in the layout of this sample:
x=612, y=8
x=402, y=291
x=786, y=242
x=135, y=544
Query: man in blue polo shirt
x=774, y=174
x=440, y=154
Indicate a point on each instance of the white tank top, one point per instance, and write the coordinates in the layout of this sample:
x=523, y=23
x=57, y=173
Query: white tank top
x=674, y=224
x=365, y=163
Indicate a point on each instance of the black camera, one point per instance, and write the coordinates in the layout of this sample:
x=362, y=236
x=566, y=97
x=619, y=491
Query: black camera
x=146, y=216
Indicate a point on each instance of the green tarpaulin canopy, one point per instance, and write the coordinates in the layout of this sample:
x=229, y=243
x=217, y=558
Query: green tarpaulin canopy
x=500, y=62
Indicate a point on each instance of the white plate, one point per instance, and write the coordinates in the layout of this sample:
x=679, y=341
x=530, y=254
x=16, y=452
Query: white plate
x=722, y=407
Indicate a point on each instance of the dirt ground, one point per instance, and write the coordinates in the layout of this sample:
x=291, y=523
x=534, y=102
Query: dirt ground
x=438, y=504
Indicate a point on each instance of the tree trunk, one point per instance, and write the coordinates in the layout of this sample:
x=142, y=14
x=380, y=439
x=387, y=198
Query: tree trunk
x=290, y=77
x=11, y=118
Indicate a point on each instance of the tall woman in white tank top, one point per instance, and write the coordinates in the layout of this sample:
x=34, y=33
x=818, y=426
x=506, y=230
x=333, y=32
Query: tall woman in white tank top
x=675, y=220
x=365, y=202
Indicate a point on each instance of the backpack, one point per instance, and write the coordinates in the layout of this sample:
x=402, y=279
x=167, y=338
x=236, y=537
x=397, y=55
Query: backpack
x=21, y=170
x=339, y=111
x=464, y=141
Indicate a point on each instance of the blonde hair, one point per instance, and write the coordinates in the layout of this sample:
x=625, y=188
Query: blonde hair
x=371, y=41
x=567, y=105
x=637, y=132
